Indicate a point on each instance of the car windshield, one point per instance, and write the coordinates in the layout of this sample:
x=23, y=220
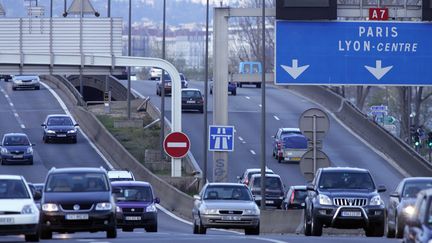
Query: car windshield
x=272, y=183
x=290, y=132
x=25, y=77
x=258, y=172
x=412, y=188
x=59, y=121
x=346, y=180
x=191, y=94
x=295, y=141
x=13, y=189
x=77, y=182
x=16, y=141
x=134, y=194
x=227, y=193
x=300, y=194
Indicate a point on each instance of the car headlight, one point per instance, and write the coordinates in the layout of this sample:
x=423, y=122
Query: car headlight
x=28, y=209
x=72, y=131
x=324, y=200
x=210, y=211
x=104, y=206
x=151, y=208
x=118, y=209
x=50, y=131
x=251, y=212
x=29, y=150
x=409, y=210
x=4, y=151
x=50, y=207
x=376, y=201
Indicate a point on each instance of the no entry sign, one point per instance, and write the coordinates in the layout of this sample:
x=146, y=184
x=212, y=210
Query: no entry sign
x=176, y=144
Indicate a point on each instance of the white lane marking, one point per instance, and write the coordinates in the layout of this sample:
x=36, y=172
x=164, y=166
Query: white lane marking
x=260, y=105
x=7, y=96
x=22, y=126
x=247, y=97
x=15, y=114
x=269, y=240
x=379, y=153
x=65, y=109
x=252, y=152
x=11, y=104
x=176, y=145
x=277, y=118
x=13, y=108
x=241, y=139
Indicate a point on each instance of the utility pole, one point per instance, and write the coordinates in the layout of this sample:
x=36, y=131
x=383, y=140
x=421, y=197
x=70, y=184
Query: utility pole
x=263, y=111
x=206, y=96
x=129, y=54
x=162, y=119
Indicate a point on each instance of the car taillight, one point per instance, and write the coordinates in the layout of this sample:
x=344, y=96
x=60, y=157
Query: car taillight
x=246, y=182
x=292, y=197
x=279, y=145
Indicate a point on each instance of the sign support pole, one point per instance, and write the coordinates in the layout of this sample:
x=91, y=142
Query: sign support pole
x=314, y=140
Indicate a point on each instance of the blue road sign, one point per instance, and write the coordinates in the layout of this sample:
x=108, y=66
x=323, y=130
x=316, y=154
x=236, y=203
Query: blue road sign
x=367, y=53
x=221, y=138
x=379, y=108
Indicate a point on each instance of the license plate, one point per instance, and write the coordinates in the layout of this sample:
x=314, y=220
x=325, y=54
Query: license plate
x=190, y=101
x=17, y=156
x=77, y=216
x=295, y=159
x=351, y=214
x=61, y=135
x=231, y=218
x=269, y=202
x=133, y=218
x=6, y=220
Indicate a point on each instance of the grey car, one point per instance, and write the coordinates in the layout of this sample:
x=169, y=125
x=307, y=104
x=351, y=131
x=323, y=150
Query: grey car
x=25, y=82
x=401, y=203
x=226, y=206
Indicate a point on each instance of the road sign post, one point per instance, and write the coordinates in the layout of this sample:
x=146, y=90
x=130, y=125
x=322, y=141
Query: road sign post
x=176, y=145
x=314, y=124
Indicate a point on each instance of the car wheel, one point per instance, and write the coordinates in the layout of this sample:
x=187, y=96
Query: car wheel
x=111, y=233
x=316, y=227
x=253, y=231
x=14, y=88
x=45, y=234
x=195, y=228
x=398, y=228
x=37, y=88
x=32, y=238
x=240, y=85
x=201, y=229
x=201, y=110
x=211, y=91
x=279, y=158
x=390, y=231
x=258, y=85
x=151, y=228
x=30, y=162
x=307, y=225
x=74, y=140
x=234, y=92
x=375, y=230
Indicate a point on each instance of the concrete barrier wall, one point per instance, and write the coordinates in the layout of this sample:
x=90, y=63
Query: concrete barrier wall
x=392, y=147
x=281, y=221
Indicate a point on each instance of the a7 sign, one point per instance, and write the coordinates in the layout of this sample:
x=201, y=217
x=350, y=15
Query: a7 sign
x=378, y=14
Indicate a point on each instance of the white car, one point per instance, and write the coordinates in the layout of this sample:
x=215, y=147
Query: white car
x=120, y=175
x=18, y=211
x=25, y=82
x=155, y=73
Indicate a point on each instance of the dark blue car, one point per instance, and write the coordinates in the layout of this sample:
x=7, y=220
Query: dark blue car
x=59, y=127
x=16, y=148
x=232, y=88
x=136, y=205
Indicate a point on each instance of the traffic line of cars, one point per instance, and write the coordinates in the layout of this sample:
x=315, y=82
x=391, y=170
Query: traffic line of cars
x=23, y=81
x=16, y=147
x=76, y=200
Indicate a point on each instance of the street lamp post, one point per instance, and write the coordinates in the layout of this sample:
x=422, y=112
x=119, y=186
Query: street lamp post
x=129, y=54
x=206, y=95
x=263, y=111
x=162, y=119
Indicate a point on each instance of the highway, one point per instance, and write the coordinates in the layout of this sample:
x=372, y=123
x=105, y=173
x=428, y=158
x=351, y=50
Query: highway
x=283, y=110
x=24, y=111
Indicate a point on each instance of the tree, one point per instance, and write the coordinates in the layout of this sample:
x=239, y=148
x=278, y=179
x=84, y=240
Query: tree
x=361, y=95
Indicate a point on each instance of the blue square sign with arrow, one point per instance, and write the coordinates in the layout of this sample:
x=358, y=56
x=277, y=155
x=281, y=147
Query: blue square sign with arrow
x=221, y=138
x=357, y=53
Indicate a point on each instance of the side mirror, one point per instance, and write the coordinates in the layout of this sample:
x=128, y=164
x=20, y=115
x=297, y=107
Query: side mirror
x=310, y=187
x=43, y=125
x=32, y=144
x=37, y=195
x=116, y=190
x=381, y=188
x=156, y=200
x=197, y=197
x=395, y=194
x=76, y=125
x=239, y=178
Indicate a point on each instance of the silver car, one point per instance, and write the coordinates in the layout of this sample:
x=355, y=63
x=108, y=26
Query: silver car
x=25, y=82
x=226, y=206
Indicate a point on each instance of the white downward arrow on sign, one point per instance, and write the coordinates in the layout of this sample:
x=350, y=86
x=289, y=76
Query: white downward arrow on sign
x=295, y=71
x=378, y=72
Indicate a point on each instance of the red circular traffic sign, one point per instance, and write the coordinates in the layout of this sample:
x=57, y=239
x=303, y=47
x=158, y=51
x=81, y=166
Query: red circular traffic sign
x=176, y=145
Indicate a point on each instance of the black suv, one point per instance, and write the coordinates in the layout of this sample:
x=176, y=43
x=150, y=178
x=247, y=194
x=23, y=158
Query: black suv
x=344, y=198
x=77, y=199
